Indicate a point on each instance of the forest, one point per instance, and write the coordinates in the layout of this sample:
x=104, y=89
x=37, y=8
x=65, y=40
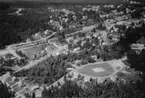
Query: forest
x=92, y=89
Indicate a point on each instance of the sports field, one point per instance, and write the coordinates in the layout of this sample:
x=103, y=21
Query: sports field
x=96, y=70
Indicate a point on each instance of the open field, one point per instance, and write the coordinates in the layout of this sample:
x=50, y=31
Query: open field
x=94, y=70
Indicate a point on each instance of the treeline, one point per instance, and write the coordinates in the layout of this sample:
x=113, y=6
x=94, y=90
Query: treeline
x=92, y=89
x=5, y=91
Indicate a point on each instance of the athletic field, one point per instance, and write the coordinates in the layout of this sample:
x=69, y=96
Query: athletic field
x=96, y=70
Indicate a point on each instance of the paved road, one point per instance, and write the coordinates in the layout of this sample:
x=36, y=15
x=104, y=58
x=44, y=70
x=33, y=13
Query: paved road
x=4, y=52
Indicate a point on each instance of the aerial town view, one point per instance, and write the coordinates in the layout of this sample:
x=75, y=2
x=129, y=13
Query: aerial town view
x=72, y=48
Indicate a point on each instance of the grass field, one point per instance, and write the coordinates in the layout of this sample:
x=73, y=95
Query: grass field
x=94, y=70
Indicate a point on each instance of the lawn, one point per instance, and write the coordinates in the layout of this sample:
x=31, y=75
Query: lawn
x=96, y=70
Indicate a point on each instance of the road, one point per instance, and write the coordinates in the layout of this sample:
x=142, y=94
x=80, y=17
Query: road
x=4, y=52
